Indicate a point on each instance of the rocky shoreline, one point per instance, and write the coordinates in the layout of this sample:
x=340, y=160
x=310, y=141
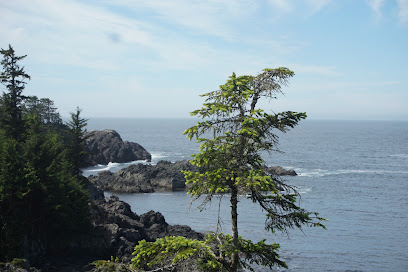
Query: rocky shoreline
x=145, y=178
x=164, y=176
x=115, y=229
x=106, y=146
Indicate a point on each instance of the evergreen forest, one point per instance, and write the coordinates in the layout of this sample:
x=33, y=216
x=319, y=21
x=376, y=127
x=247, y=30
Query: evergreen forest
x=43, y=200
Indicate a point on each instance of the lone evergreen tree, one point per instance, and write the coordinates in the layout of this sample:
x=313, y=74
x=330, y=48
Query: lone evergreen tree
x=231, y=159
x=234, y=134
x=77, y=141
x=13, y=77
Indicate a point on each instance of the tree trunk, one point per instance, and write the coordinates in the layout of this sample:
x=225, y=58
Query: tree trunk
x=234, y=218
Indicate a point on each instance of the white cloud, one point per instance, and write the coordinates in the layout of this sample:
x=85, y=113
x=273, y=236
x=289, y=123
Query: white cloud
x=376, y=6
x=304, y=8
x=63, y=32
x=205, y=17
x=317, y=5
x=282, y=5
x=403, y=10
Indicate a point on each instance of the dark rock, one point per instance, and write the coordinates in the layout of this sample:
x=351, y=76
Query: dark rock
x=165, y=176
x=104, y=146
x=280, y=171
x=94, y=192
x=150, y=218
x=115, y=231
x=183, y=230
x=140, y=178
x=122, y=229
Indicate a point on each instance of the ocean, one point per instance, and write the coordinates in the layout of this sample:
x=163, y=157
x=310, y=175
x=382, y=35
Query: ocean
x=354, y=173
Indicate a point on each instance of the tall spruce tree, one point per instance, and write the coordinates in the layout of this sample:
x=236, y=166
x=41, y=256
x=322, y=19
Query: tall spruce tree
x=13, y=173
x=77, y=130
x=231, y=158
x=13, y=77
x=234, y=134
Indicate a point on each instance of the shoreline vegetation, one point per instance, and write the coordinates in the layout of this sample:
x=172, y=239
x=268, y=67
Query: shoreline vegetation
x=54, y=219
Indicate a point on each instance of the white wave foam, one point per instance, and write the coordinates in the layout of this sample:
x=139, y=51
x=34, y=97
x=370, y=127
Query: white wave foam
x=304, y=191
x=404, y=156
x=311, y=172
x=158, y=155
x=322, y=172
x=111, y=166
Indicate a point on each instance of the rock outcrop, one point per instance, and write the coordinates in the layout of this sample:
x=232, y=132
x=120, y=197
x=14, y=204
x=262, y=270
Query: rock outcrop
x=104, y=146
x=118, y=229
x=165, y=176
x=140, y=178
x=280, y=171
x=115, y=231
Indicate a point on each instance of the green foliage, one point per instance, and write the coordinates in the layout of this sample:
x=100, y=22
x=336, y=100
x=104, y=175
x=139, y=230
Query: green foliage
x=42, y=199
x=13, y=77
x=112, y=265
x=43, y=108
x=77, y=140
x=18, y=262
x=176, y=252
x=249, y=253
x=234, y=134
x=212, y=254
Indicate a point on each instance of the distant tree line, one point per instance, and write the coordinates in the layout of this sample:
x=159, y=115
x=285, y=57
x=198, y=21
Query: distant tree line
x=43, y=200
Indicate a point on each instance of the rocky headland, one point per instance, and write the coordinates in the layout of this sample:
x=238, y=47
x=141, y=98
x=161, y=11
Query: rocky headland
x=104, y=146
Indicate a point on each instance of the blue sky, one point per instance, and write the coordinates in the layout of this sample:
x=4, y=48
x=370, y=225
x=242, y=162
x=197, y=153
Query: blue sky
x=131, y=58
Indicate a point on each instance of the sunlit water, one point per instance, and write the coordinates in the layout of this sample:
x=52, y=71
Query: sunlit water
x=353, y=173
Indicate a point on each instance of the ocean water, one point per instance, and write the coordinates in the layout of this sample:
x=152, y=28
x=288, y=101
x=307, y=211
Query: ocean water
x=354, y=173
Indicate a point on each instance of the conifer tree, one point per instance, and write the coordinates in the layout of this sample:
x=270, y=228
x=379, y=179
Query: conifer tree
x=44, y=108
x=42, y=200
x=13, y=77
x=77, y=130
x=231, y=160
x=13, y=186
x=235, y=133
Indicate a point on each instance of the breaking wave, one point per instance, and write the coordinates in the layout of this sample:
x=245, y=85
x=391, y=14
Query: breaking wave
x=112, y=167
x=403, y=156
x=323, y=172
